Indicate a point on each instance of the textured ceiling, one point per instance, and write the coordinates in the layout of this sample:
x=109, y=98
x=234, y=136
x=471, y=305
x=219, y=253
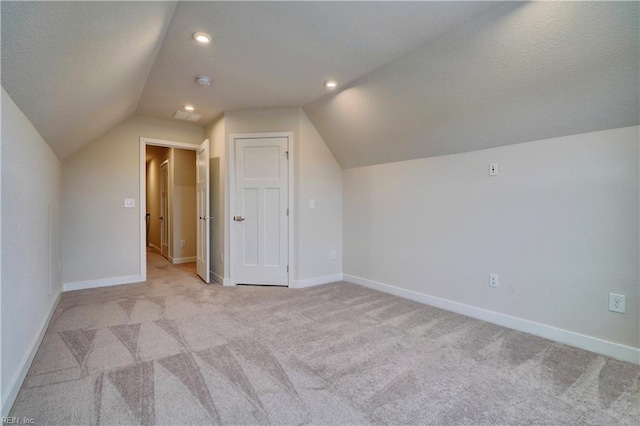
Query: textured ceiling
x=76, y=69
x=417, y=78
x=278, y=54
x=518, y=73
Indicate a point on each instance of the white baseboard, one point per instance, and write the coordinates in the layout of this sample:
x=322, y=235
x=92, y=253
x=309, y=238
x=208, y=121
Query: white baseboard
x=181, y=260
x=105, y=282
x=227, y=282
x=593, y=344
x=310, y=282
x=155, y=248
x=215, y=277
x=16, y=382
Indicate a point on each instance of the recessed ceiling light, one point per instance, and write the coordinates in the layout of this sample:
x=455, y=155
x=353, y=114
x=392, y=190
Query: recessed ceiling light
x=201, y=37
x=203, y=80
x=189, y=107
x=331, y=84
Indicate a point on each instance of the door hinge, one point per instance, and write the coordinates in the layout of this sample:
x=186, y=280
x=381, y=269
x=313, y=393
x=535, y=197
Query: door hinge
x=286, y=153
x=287, y=268
x=287, y=212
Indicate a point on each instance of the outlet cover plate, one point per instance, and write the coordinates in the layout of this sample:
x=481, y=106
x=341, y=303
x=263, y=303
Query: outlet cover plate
x=493, y=280
x=617, y=303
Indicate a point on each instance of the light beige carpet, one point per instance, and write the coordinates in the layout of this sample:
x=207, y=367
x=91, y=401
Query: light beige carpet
x=176, y=351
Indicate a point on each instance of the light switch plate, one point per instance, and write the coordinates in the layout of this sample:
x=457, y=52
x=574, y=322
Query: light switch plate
x=129, y=203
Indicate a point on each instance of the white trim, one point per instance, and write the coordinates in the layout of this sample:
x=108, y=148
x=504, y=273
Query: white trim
x=217, y=278
x=181, y=260
x=291, y=156
x=230, y=173
x=144, y=141
x=4, y=412
x=310, y=282
x=593, y=344
x=170, y=144
x=166, y=225
x=230, y=269
x=105, y=282
x=18, y=379
x=142, y=196
x=155, y=248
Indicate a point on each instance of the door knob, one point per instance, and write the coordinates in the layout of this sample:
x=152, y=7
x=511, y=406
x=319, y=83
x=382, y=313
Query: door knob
x=238, y=218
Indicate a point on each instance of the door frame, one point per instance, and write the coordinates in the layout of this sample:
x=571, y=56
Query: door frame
x=165, y=230
x=144, y=141
x=231, y=166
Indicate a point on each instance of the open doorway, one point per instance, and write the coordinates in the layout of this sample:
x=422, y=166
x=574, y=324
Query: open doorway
x=174, y=203
x=171, y=203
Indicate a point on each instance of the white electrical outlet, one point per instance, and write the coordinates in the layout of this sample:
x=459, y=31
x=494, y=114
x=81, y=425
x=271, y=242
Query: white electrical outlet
x=493, y=169
x=334, y=255
x=493, y=280
x=617, y=303
x=183, y=243
x=312, y=204
x=129, y=203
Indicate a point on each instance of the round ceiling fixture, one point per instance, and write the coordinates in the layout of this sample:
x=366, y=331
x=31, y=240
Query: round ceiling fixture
x=203, y=80
x=201, y=37
x=189, y=108
x=330, y=84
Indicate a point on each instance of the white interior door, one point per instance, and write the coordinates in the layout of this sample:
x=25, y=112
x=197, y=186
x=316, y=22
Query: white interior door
x=202, y=200
x=164, y=209
x=260, y=211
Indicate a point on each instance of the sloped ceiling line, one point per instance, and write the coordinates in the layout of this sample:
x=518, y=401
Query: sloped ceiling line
x=417, y=79
x=77, y=69
x=515, y=74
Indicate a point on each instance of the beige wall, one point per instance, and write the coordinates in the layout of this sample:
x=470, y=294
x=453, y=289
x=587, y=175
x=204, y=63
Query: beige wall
x=183, y=204
x=559, y=225
x=101, y=239
x=317, y=176
x=30, y=244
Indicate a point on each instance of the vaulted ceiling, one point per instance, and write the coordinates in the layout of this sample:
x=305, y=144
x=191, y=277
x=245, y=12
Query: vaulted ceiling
x=520, y=72
x=416, y=78
x=77, y=69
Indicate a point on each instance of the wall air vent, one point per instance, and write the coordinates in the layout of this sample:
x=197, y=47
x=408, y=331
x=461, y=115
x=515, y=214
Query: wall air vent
x=188, y=116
